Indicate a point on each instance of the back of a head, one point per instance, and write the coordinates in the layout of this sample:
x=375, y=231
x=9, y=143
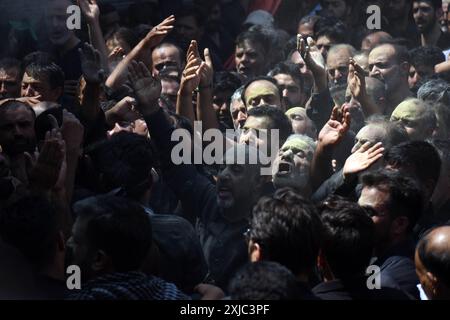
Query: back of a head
x=405, y=195
x=426, y=56
x=125, y=161
x=418, y=158
x=434, y=253
x=277, y=118
x=119, y=227
x=332, y=28
x=255, y=36
x=289, y=68
x=347, y=237
x=30, y=224
x=287, y=228
x=264, y=280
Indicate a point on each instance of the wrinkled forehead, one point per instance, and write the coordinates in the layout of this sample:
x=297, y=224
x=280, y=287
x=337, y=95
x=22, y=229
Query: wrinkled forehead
x=408, y=110
x=296, y=111
x=260, y=88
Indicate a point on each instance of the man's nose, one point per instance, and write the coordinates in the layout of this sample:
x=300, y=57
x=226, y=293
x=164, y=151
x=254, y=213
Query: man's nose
x=287, y=154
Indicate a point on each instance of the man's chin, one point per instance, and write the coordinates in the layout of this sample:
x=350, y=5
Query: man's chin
x=225, y=203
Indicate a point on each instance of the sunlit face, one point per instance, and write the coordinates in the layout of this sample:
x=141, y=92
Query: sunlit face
x=409, y=115
x=249, y=59
x=384, y=66
x=253, y=131
x=291, y=167
x=164, y=57
x=337, y=66
x=301, y=123
x=324, y=44
x=262, y=92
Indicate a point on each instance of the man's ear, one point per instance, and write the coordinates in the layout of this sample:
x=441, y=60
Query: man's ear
x=254, y=251
x=433, y=281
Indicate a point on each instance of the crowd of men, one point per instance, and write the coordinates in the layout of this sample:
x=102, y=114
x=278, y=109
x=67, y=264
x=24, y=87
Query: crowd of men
x=360, y=182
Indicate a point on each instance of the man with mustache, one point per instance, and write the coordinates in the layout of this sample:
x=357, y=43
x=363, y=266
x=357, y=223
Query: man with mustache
x=390, y=64
x=426, y=15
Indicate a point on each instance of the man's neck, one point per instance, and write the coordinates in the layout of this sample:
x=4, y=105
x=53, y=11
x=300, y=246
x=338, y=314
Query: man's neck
x=382, y=249
x=431, y=38
x=238, y=212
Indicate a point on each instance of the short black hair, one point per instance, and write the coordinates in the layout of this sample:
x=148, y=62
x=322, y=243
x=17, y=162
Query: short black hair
x=405, y=196
x=421, y=156
x=125, y=161
x=264, y=280
x=15, y=104
x=50, y=72
x=226, y=81
x=125, y=34
x=437, y=263
x=289, y=68
x=260, y=78
x=31, y=225
x=119, y=227
x=255, y=36
x=426, y=56
x=437, y=4
x=332, y=28
x=40, y=57
x=287, y=227
x=348, y=237
x=10, y=63
x=279, y=120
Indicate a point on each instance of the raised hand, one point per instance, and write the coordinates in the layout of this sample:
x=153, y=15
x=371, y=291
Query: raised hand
x=146, y=88
x=191, y=76
x=362, y=159
x=72, y=131
x=158, y=33
x=312, y=56
x=91, y=64
x=335, y=129
x=90, y=10
x=356, y=80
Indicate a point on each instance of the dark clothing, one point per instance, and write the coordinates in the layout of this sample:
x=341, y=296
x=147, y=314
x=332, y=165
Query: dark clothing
x=131, y=285
x=181, y=256
x=51, y=289
x=70, y=62
x=444, y=41
x=319, y=108
x=223, y=241
x=355, y=289
x=338, y=186
x=397, y=263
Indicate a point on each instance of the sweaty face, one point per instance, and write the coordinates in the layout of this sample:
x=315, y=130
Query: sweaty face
x=56, y=22
x=164, y=57
x=39, y=88
x=337, y=66
x=424, y=16
x=291, y=167
x=249, y=59
x=409, y=115
x=9, y=83
x=383, y=66
x=17, y=131
x=291, y=90
x=262, y=92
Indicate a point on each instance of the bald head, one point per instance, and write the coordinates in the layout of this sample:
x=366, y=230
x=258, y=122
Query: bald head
x=433, y=263
x=374, y=39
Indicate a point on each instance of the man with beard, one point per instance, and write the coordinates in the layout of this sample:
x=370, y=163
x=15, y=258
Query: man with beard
x=291, y=83
x=423, y=61
x=10, y=78
x=426, y=15
x=43, y=81
x=417, y=117
x=301, y=123
x=337, y=66
x=292, y=165
x=222, y=210
x=390, y=64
